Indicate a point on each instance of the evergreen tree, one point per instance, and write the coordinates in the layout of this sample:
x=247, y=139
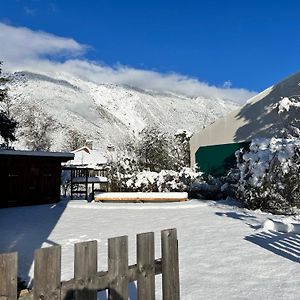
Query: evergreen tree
x=153, y=151
x=7, y=123
x=181, y=149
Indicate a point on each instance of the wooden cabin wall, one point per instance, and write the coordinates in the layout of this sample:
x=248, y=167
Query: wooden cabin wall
x=26, y=180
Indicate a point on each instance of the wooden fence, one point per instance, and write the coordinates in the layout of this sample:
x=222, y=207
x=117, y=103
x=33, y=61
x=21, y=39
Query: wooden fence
x=88, y=281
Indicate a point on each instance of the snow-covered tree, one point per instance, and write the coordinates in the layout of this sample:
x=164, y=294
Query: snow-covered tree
x=181, y=148
x=156, y=150
x=288, y=109
x=153, y=150
x=154, y=163
x=73, y=140
x=37, y=130
x=7, y=123
x=120, y=167
x=270, y=175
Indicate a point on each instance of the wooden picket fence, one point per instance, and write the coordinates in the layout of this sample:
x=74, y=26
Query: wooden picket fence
x=88, y=281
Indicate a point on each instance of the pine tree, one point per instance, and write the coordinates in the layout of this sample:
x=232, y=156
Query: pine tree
x=7, y=123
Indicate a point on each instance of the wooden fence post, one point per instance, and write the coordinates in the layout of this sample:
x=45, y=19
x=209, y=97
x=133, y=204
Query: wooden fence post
x=170, y=265
x=145, y=266
x=87, y=280
x=118, y=268
x=8, y=276
x=85, y=270
x=47, y=273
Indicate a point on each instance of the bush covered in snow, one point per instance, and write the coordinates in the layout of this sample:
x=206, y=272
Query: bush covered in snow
x=125, y=175
x=288, y=108
x=155, y=162
x=270, y=175
x=121, y=166
x=163, y=181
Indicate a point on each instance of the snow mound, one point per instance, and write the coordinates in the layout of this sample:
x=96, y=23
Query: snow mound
x=281, y=226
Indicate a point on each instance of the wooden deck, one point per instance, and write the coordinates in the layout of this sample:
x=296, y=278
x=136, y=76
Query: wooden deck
x=141, y=197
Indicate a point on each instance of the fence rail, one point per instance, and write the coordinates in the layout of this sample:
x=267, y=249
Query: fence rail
x=88, y=281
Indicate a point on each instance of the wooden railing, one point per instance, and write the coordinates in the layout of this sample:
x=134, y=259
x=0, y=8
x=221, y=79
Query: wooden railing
x=88, y=281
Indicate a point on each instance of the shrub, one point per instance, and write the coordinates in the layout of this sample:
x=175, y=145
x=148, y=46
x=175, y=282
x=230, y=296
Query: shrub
x=152, y=163
x=120, y=168
x=270, y=175
x=163, y=181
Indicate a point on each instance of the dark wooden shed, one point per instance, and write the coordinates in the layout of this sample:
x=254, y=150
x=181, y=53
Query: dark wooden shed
x=30, y=177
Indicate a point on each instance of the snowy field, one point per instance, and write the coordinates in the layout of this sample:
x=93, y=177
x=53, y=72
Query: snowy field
x=225, y=252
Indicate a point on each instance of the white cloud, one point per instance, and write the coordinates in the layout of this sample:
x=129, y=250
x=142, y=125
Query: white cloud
x=19, y=44
x=24, y=49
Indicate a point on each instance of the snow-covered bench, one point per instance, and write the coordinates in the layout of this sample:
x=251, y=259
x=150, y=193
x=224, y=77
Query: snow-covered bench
x=141, y=197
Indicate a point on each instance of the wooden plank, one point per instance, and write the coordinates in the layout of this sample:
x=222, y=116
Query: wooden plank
x=118, y=268
x=8, y=276
x=47, y=273
x=102, y=280
x=85, y=270
x=146, y=266
x=170, y=265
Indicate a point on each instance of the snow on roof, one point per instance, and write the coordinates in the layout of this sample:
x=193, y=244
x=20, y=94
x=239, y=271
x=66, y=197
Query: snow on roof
x=85, y=156
x=66, y=155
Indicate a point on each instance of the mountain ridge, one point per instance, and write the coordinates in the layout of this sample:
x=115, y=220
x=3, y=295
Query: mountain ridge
x=107, y=113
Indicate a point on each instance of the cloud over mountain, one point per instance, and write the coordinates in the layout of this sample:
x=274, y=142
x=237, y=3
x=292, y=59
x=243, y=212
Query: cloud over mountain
x=37, y=51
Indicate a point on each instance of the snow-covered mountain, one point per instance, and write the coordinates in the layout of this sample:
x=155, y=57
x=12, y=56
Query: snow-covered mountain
x=108, y=113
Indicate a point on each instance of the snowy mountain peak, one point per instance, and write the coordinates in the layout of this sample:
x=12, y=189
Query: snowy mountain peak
x=107, y=113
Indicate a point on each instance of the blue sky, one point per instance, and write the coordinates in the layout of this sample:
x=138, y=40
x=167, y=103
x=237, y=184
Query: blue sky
x=252, y=44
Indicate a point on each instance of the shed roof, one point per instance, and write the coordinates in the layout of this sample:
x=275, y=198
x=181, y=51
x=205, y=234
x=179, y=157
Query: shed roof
x=63, y=156
x=85, y=156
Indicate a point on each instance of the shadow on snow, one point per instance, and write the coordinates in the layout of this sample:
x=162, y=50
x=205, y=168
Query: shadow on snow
x=286, y=245
x=26, y=228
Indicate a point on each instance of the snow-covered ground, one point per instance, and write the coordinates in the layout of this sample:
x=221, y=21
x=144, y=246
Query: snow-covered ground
x=225, y=252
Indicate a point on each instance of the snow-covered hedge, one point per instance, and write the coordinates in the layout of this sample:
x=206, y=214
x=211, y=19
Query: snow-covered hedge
x=270, y=175
x=154, y=162
x=125, y=176
x=163, y=181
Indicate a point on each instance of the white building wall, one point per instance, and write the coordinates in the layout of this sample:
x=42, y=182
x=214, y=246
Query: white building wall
x=257, y=118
